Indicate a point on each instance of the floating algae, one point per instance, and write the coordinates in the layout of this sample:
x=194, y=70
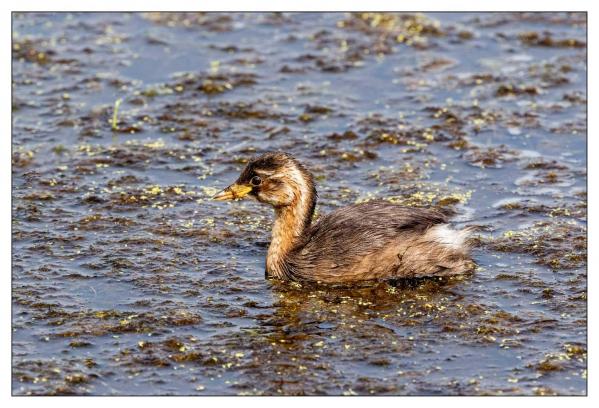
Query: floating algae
x=128, y=279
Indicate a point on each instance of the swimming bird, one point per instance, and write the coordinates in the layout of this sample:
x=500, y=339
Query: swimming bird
x=374, y=240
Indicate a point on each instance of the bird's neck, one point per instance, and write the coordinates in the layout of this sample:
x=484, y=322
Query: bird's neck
x=291, y=221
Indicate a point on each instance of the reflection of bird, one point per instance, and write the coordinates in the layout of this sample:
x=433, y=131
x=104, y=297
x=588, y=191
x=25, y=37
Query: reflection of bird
x=372, y=240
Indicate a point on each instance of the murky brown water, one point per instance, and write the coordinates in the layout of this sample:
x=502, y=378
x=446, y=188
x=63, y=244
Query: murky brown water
x=128, y=279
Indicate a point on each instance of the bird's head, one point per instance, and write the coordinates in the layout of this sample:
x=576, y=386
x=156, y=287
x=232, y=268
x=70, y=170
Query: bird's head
x=273, y=178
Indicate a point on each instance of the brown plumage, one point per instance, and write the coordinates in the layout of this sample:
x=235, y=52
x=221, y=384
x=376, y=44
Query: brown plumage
x=370, y=241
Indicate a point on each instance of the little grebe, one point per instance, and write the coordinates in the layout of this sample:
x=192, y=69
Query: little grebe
x=375, y=240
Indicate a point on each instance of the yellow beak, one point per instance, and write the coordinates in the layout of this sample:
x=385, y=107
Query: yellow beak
x=233, y=192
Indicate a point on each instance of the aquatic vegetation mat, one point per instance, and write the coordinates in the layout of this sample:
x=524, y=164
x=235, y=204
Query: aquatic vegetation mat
x=128, y=279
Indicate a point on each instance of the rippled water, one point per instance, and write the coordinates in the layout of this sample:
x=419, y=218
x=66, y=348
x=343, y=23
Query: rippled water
x=128, y=279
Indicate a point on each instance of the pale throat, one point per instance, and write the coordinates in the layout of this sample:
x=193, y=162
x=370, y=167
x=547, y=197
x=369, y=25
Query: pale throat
x=290, y=223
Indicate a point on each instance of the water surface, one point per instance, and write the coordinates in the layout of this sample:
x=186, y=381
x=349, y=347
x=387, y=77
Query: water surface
x=128, y=279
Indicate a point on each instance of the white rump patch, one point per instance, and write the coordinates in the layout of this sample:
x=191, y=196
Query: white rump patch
x=444, y=234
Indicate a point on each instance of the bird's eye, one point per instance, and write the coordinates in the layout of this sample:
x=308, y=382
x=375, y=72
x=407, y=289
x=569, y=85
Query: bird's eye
x=256, y=181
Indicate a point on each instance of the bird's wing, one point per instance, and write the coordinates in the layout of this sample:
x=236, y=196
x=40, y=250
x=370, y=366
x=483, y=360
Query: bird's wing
x=344, y=237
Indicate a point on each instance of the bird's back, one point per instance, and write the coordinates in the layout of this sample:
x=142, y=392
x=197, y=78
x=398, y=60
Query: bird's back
x=379, y=240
